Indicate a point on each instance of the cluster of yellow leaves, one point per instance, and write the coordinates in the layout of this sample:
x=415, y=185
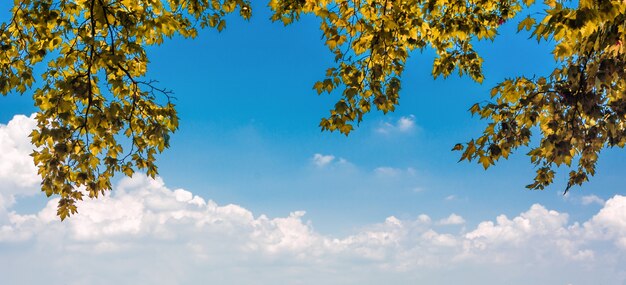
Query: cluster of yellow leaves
x=98, y=115
x=371, y=40
x=578, y=110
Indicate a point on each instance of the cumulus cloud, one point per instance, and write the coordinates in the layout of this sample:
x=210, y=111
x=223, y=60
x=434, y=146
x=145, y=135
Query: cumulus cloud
x=329, y=161
x=321, y=160
x=453, y=219
x=534, y=232
x=405, y=124
x=591, y=199
x=145, y=221
x=147, y=233
x=610, y=222
x=18, y=174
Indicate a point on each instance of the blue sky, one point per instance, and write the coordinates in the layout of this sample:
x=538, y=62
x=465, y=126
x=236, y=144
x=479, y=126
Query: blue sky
x=249, y=136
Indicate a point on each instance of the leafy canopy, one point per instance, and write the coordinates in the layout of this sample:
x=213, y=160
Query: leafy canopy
x=99, y=115
x=578, y=109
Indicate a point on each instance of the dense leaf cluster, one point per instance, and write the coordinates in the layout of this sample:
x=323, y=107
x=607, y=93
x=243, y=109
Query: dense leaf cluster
x=371, y=40
x=578, y=109
x=97, y=115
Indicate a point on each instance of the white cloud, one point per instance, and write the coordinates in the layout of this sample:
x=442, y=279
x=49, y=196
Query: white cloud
x=330, y=161
x=387, y=171
x=424, y=218
x=146, y=233
x=591, y=199
x=16, y=165
x=321, y=160
x=538, y=221
x=143, y=214
x=18, y=174
x=610, y=222
x=453, y=219
x=405, y=124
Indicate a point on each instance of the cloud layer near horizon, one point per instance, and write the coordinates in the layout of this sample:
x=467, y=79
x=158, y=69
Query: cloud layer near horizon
x=146, y=233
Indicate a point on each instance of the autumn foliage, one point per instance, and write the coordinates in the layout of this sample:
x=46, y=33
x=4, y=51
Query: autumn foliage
x=98, y=114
